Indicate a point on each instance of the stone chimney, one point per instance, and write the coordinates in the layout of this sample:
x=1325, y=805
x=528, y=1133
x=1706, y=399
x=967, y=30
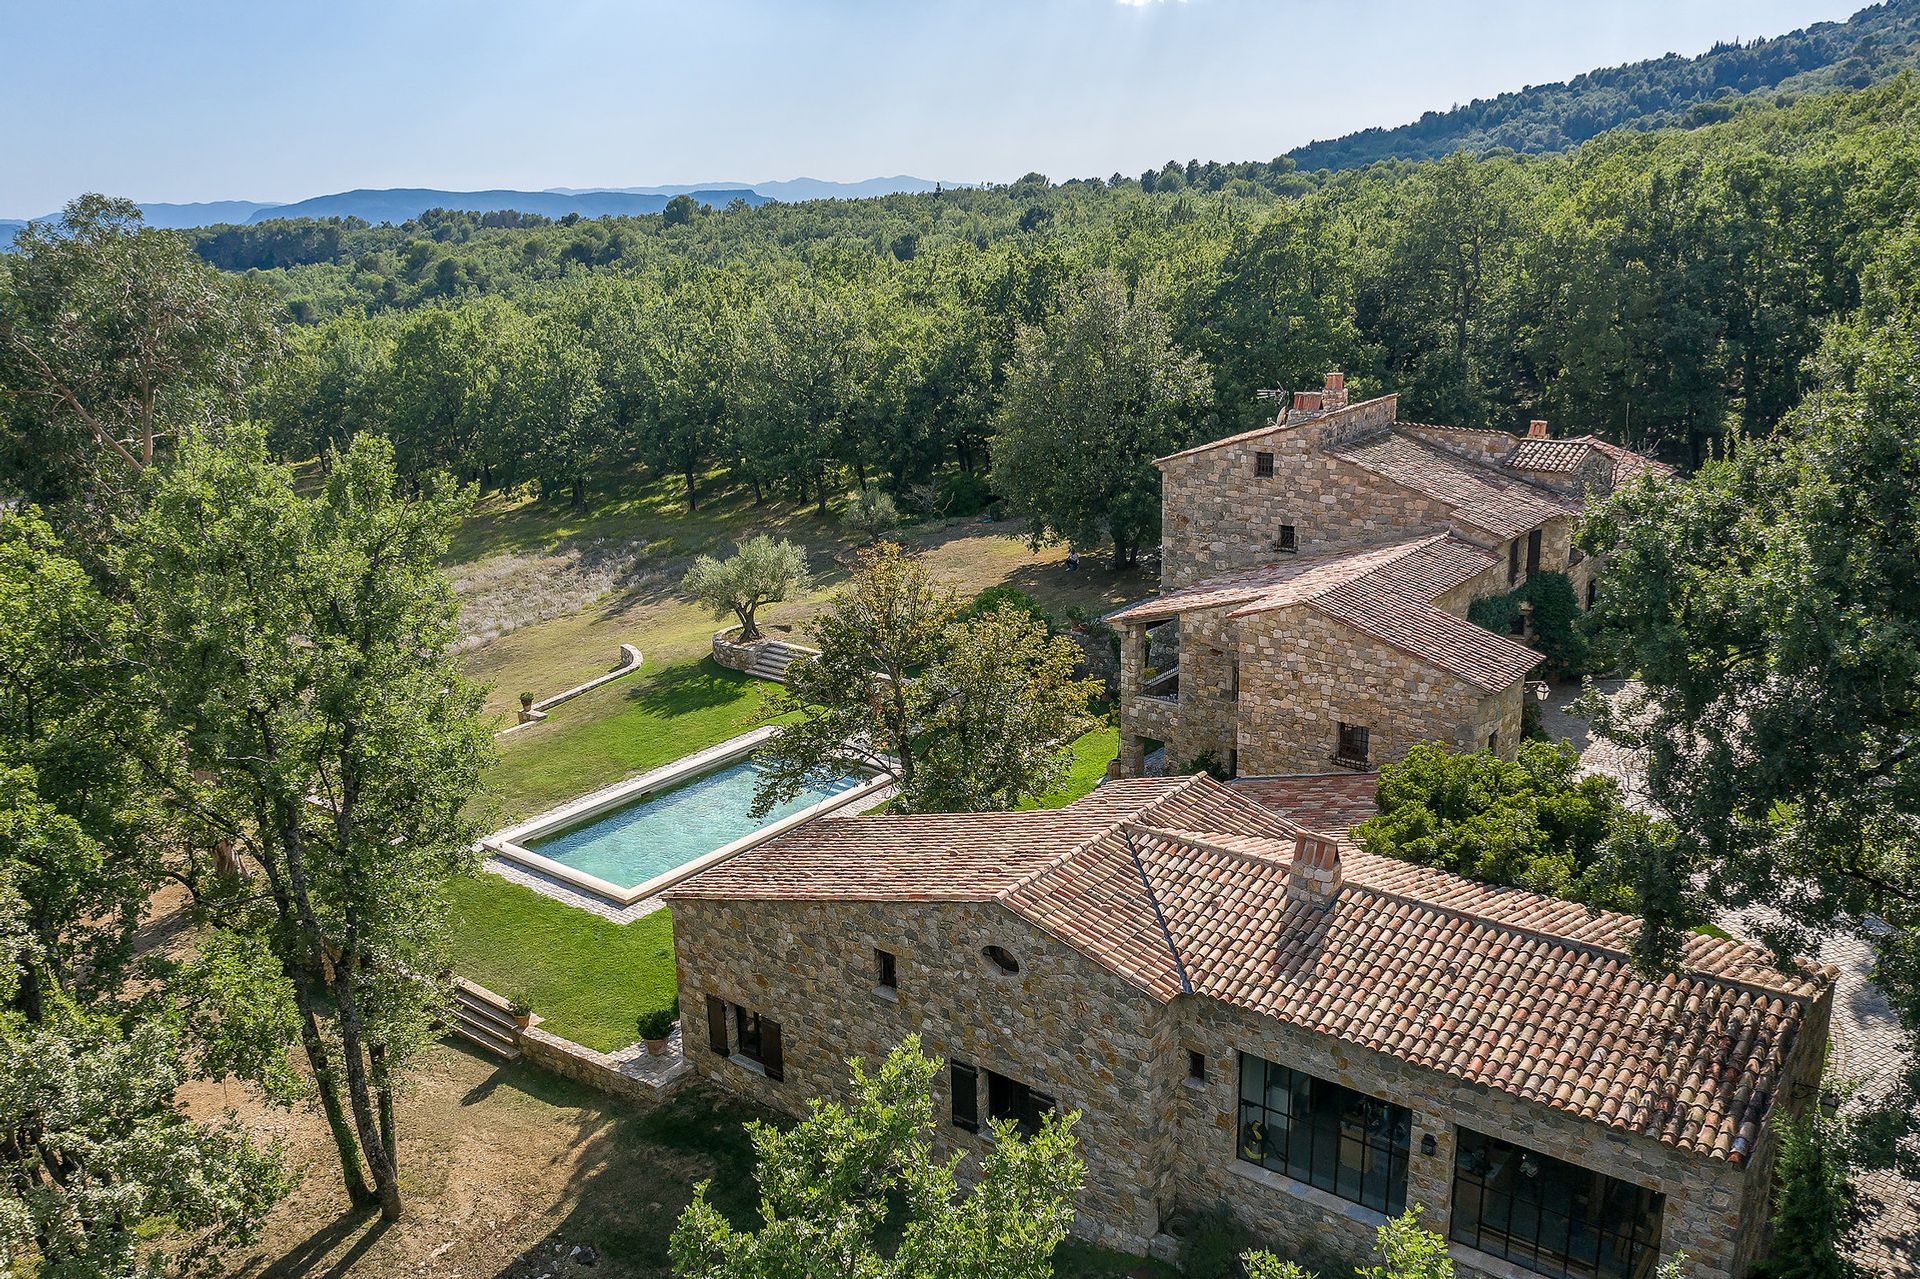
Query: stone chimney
x=1537, y=429
x=1313, y=877
x=1335, y=394
x=1306, y=401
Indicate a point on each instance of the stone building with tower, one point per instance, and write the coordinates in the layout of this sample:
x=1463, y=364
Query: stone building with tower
x=1316, y=576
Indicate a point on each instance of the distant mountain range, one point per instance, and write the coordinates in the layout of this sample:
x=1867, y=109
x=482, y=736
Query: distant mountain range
x=399, y=204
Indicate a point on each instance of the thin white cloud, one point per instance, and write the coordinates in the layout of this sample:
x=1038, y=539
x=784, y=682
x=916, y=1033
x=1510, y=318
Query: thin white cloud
x=1142, y=4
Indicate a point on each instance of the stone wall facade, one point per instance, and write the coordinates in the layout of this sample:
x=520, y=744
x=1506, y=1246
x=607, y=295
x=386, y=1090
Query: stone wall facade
x=1217, y=514
x=1302, y=674
x=1159, y=1142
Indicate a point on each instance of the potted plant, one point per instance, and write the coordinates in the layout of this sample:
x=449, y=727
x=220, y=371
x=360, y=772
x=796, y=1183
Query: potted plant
x=526, y=701
x=521, y=1012
x=656, y=1026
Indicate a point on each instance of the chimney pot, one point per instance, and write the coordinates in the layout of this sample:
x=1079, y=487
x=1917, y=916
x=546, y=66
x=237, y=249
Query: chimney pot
x=1537, y=429
x=1307, y=401
x=1334, y=396
x=1314, y=875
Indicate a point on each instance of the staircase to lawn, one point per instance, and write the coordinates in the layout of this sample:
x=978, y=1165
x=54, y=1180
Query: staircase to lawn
x=485, y=1020
x=772, y=657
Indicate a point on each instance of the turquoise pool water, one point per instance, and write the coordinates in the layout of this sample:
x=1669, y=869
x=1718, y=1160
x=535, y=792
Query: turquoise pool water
x=668, y=828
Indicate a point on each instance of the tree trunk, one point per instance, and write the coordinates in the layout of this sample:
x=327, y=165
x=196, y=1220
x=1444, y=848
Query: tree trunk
x=327, y=1084
x=693, y=495
x=821, y=480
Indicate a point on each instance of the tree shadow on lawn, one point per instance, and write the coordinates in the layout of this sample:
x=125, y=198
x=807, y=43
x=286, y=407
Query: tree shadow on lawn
x=636, y=1175
x=692, y=686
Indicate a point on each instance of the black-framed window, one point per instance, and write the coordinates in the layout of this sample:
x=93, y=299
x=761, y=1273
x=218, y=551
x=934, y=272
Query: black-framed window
x=1549, y=1215
x=1196, y=1066
x=755, y=1037
x=1022, y=1106
x=1533, y=551
x=1263, y=465
x=1285, y=539
x=1351, y=746
x=1328, y=1136
x=885, y=969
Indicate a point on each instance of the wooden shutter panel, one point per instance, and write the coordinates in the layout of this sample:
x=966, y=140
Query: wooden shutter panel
x=772, y=1059
x=966, y=1096
x=717, y=1024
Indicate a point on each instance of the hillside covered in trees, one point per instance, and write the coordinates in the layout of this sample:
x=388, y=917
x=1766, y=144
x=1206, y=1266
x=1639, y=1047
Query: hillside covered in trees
x=1656, y=288
x=1875, y=43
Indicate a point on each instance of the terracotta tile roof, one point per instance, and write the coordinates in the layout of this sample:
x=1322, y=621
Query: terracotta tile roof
x=1332, y=802
x=1383, y=591
x=1547, y=455
x=1276, y=585
x=1498, y=987
x=1476, y=655
x=1628, y=465
x=928, y=857
x=1504, y=505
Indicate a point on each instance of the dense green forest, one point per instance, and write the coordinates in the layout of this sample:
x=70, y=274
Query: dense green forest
x=1655, y=288
x=1659, y=93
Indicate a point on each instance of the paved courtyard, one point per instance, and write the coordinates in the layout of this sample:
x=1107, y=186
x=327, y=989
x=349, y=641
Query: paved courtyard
x=1868, y=1049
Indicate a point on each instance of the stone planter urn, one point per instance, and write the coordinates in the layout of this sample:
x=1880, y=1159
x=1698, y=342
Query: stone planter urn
x=657, y=1047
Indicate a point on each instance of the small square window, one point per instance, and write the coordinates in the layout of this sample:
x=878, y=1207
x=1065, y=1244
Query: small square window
x=884, y=972
x=1285, y=541
x=1196, y=1066
x=1351, y=748
x=1263, y=465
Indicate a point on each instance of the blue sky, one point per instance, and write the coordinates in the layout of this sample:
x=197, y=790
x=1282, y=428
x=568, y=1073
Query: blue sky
x=176, y=101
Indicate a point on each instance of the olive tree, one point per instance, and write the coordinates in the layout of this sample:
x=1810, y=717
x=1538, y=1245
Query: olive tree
x=761, y=571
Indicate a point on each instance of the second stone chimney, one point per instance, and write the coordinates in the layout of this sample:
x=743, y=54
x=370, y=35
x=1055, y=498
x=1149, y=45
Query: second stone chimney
x=1335, y=394
x=1313, y=877
x=1537, y=429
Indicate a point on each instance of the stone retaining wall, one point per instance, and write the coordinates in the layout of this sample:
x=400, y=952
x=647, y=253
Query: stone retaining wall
x=735, y=656
x=598, y=1070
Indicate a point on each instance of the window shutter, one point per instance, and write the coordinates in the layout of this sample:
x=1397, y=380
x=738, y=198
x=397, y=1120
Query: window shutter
x=1533, y=551
x=966, y=1096
x=717, y=1024
x=772, y=1059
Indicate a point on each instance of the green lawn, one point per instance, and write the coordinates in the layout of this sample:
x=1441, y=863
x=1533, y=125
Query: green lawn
x=1091, y=755
x=623, y=728
x=589, y=977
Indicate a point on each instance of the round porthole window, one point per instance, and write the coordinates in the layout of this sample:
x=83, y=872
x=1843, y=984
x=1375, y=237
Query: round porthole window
x=1001, y=958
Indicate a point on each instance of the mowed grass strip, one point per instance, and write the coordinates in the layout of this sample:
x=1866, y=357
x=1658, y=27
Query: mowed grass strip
x=589, y=977
x=623, y=728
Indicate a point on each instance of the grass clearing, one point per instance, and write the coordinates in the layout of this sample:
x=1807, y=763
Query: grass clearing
x=1092, y=752
x=589, y=977
x=626, y=727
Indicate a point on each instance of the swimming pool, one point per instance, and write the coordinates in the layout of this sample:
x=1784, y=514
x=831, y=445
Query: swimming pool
x=635, y=839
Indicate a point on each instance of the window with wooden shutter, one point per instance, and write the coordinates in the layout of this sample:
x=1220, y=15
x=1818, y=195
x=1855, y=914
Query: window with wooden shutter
x=773, y=1059
x=717, y=1024
x=966, y=1095
x=1533, y=551
x=1513, y=561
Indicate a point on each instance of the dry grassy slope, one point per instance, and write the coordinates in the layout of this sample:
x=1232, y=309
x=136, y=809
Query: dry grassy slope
x=551, y=595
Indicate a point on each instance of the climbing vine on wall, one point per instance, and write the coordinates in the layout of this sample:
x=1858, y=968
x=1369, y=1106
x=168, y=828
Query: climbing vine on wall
x=1557, y=624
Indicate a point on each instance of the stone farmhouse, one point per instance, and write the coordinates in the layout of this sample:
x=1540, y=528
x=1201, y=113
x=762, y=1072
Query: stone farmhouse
x=1315, y=584
x=1252, y=1014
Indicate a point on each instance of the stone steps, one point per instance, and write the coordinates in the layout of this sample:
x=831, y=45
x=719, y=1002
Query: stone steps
x=485, y=1020
x=771, y=659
